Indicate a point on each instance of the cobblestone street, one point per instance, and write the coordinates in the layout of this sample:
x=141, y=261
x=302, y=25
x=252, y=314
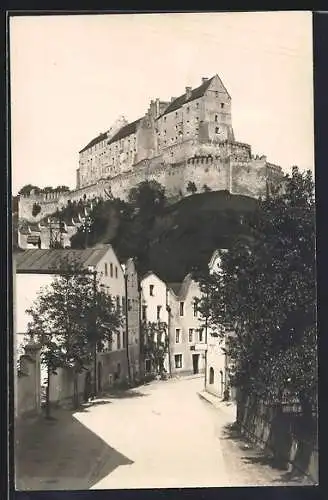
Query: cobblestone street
x=158, y=436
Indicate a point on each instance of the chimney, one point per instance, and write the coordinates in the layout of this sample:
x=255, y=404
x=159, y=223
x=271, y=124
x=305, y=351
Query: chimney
x=204, y=79
x=188, y=93
x=157, y=106
x=173, y=99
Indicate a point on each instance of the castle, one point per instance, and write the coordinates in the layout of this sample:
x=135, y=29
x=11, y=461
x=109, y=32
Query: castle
x=189, y=139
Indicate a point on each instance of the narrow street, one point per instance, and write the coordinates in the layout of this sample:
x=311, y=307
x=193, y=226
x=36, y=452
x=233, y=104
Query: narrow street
x=158, y=436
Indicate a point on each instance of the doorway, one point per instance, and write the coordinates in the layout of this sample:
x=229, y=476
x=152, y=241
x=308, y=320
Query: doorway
x=195, y=363
x=99, y=377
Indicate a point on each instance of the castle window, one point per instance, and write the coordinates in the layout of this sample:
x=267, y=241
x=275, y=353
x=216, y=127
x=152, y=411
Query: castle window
x=111, y=270
x=217, y=130
x=216, y=118
x=222, y=105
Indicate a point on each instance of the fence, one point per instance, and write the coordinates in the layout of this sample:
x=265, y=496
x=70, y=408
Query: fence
x=282, y=430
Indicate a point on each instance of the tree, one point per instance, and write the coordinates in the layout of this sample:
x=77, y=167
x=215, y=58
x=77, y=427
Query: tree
x=26, y=190
x=266, y=288
x=70, y=318
x=191, y=187
x=148, y=197
x=155, y=344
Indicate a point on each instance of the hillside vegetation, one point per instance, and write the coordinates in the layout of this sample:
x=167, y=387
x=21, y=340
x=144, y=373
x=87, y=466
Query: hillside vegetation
x=171, y=240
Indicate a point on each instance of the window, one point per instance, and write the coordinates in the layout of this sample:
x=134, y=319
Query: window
x=191, y=334
x=211, y=381
x=216, y=94
x=216, y=118
x=106, y=269
x=216, y=130
x=144, y=313
x=151, y=290
x=222, y=105
x=129, y=305
x=188, y=109
x=195, y=309
x=111, y=270
x=159, y=312
x=119, y=340
x=181, y=308
x=197, y=105
x=200, y=334
x=178, y=360
x=115, y=271
x=117, y=302
x=177, y=336
x=124, y=340
x=123, y=304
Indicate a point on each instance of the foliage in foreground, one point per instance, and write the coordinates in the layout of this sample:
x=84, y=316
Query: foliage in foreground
x=69, y=318
x=266, y=288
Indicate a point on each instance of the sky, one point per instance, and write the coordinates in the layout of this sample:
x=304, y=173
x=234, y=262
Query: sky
x=71, y=76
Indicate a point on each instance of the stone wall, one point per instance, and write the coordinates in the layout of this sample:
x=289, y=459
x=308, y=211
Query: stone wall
x=225, y=166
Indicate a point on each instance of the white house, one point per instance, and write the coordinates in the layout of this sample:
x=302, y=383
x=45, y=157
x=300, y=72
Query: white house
x=174, y=304
x=37, y=268
x=216, y=379
x=186, y=328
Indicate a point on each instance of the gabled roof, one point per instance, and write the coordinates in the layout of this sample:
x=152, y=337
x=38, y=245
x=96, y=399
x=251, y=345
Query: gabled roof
x=96, y=140
x=195, y=94
x=52, y=260
x=175, y=287
x=128, y=129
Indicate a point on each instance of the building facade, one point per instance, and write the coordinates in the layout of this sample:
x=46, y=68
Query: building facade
x=217, y=361
x=187, y=139
x=174, y=304
x=36, y=269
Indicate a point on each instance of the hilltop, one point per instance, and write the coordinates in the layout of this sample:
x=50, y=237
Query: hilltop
x=175, y=240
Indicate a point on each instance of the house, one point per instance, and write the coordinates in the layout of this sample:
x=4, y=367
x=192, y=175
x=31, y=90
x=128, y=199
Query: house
x=153, y=310
x=217, y=362
x=186, y=328
x=174, y=305
x=36, y=269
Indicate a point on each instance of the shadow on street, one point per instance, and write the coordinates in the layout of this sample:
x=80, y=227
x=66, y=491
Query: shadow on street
x=61, y=453
x=125, y=394
x=252, y=455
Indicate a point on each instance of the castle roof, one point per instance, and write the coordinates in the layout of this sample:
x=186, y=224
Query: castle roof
x=48, y=261
x=128, y=129
x=96, y=140
x=195, y=94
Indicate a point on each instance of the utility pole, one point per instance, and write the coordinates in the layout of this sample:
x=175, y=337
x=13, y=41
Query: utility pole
x=127, y=324
x=206, y=326
x=95, y=338
x=168, y=309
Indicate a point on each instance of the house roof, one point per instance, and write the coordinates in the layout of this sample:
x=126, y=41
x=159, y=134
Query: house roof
x=195, y=94
x=175, y=287
x=96, y=140
x=128, y=129
x=51, y=260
